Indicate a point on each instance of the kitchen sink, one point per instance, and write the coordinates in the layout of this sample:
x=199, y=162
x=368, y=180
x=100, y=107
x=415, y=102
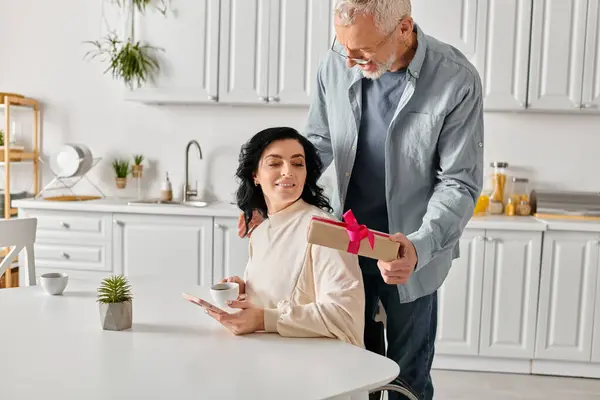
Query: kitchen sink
x=191, y=203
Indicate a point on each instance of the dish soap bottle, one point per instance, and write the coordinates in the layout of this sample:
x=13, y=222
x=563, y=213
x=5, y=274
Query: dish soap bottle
x=166, y=190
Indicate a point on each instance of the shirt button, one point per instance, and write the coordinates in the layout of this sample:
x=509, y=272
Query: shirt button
x=480, y=144
x=353, y=147
x=347, y=173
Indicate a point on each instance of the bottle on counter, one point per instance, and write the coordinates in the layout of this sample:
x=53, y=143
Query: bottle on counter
x=519, y=195
x=166, y=190
x=498, y=181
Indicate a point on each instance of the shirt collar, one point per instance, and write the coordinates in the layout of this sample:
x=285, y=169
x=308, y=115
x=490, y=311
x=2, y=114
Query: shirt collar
x=414, y=68
x=280, y=217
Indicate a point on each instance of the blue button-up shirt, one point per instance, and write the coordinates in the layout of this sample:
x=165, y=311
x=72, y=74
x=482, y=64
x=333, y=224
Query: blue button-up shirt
x=433, y=151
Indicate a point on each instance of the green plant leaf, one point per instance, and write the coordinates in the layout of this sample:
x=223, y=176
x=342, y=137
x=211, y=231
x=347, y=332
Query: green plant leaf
x=121, y=168
x=115, y=289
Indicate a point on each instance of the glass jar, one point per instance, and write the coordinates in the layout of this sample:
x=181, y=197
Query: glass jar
x=498, y=181
x=519, y=195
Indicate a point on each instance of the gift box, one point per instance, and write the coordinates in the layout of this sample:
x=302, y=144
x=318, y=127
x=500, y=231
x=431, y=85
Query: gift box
x=352, y=237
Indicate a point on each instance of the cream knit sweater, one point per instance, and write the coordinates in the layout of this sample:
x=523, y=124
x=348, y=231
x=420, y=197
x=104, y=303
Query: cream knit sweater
x=306, y=290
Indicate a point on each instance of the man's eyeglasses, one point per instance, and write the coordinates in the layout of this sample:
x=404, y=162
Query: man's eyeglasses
x=362, y=61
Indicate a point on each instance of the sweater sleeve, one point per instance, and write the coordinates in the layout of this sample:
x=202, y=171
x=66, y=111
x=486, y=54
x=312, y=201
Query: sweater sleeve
x=338, y=308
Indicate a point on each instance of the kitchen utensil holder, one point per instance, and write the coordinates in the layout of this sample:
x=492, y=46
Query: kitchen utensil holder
x=70, y=182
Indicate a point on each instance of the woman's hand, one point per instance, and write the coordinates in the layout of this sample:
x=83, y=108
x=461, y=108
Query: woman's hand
x=239, y=281
x=250, y=319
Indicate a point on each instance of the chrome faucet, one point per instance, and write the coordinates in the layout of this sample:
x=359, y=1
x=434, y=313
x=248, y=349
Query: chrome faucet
x=187, y=192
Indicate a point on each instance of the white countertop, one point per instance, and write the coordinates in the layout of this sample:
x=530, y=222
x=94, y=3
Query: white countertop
x=226, y=209
x=119, y=205
x=56, y=349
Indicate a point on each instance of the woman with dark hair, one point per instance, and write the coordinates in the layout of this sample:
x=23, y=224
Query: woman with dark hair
x=290, y=286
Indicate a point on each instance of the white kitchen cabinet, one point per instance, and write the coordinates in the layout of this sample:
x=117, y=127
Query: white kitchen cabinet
x=299, y=39
x=493, y=35
x=174, y=248
x=502, y=52
x=568, y=281
x=557, y=54
x=510, y=292
x=591, y=71
x=459, y=299
x=451, y=21
x=189, y=60
x=230, y=251
x=596, y=333
x=244, y=51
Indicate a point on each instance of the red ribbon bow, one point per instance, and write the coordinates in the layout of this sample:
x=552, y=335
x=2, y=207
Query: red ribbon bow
x=356, y=233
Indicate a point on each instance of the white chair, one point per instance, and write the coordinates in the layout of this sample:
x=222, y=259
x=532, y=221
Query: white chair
x=19, y=234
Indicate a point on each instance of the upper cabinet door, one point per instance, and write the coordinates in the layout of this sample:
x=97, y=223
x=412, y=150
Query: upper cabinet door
x=189, y=38
x=557, y=54
x=502, y=53
x=493, y=35
x=299, y=38
x=244, y=51
x=591, y=69
x=451, y=21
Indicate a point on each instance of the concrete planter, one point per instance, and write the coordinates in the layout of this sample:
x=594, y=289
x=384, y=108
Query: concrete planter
x=116, y=316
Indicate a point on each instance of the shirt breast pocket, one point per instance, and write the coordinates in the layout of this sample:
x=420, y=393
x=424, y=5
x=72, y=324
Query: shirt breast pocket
x=417, y=136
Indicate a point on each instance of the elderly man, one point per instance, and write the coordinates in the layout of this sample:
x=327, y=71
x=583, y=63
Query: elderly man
x=400, y=113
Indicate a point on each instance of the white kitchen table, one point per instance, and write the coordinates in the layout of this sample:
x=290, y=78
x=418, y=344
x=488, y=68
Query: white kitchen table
x=53, y=348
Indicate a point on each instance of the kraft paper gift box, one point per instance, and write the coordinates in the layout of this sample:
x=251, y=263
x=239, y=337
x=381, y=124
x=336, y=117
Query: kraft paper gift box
x=352, y=237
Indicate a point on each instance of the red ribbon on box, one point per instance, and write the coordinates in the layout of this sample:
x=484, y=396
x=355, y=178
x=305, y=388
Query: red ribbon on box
x=356, y=233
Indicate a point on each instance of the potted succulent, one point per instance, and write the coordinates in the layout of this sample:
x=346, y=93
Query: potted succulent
x=114, y=298
x=121, y=168
x=137, y=168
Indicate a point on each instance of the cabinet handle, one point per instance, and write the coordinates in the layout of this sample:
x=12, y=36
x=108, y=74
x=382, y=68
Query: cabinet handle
x=64, y=225
x=590, y=105
x=117, y=222
x=480, y=238
x=274, y=99
x=212, y=98
x=218, y=226
x=263, y=99
x=490, y=239
x=65, y=255
x=577, y=105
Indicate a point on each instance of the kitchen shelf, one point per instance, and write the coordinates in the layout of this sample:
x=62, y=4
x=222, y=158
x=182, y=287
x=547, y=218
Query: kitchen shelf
x=8, y=102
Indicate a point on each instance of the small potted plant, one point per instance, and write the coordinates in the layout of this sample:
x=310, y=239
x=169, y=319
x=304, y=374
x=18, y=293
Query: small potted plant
x=121, y=168
x=137, y=168
x=114, y=297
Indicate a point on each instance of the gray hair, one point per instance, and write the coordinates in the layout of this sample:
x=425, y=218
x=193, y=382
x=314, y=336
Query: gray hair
x=387, y=13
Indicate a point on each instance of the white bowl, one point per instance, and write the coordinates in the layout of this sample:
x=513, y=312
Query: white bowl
x=54, y=283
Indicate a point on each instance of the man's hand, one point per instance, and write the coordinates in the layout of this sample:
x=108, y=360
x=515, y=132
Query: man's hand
x=250, y=319
x=398, y=271
x=254, y=222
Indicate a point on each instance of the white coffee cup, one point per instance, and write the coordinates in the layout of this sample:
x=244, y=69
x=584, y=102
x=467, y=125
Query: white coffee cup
x=224, y=292
x=54, y=283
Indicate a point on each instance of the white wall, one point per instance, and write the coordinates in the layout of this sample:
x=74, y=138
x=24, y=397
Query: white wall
x=41, y=56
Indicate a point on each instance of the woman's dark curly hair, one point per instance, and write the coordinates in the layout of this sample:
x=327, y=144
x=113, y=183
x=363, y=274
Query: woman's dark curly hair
x=250, y=197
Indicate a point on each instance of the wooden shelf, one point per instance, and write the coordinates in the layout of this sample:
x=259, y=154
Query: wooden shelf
x=8, y=101
x=21, y=102
x=18, y=158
